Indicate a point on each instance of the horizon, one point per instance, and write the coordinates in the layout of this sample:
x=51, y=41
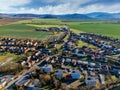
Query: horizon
x=59, y=7
x=63, y=14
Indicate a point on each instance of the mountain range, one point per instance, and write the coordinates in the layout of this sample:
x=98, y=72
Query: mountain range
x=94, y=15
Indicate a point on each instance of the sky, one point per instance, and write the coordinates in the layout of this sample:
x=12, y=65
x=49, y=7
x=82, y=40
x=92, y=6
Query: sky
x=59, y=6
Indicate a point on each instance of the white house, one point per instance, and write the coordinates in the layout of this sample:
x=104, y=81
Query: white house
x=80, y=62
x=75, y=74
x=79, y=53
x=47, y=68
x=85, y=62
x=101, y=78
x=92, y=64
x=90, y=81
x=59, y=74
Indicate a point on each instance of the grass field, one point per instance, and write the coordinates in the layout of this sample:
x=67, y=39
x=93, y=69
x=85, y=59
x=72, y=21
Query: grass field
x=4, y=57
x=111, y=30
x=41, y=21
x=21, y=31
x=25, y=28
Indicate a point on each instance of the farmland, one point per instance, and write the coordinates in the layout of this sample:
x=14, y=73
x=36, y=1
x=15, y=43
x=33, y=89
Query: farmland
x=21, y=31
x=41, y=22
x=5, y=21
x=25, y=28
x=25, y=53
x=111, y=30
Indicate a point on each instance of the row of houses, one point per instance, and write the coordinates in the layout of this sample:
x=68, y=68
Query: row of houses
x=56, y=29
x=109, y=49
x=4, y=80
x=71, y=66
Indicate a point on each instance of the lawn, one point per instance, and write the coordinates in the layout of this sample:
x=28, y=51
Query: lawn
x=26, y=28
x=21, y=31
x=111, y=30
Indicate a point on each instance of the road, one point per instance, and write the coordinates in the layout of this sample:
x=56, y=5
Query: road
x=28, y=71
x=25, y=72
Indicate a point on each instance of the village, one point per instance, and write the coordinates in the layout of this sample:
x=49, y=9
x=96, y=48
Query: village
x=61, y=63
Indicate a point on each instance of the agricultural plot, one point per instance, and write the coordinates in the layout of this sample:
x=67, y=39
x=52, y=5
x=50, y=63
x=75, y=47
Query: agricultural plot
x=4, y=21
x=111, y=30
x=21, y=31
x=41, y=22
x=45, y=26
x=26, y=28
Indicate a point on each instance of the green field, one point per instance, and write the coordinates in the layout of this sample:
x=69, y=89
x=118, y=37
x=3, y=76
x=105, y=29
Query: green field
x=41, y=22
x=25, y=28
x=21, y=31
x=111, y=30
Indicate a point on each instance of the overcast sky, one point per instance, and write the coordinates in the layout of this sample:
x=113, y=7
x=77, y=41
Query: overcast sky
x=59, y=6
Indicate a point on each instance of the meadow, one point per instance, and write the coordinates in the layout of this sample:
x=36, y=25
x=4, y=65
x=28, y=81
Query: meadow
x=41, y=21
x=21, y=31
x=26, y=28
x=107, y=29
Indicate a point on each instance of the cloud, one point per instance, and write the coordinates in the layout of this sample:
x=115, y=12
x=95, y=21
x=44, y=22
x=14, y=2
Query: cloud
x=59, y=6
x=11, y=4
x=100, y=8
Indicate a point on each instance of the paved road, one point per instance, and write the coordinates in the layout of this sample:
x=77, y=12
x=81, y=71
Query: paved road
x=28, y=71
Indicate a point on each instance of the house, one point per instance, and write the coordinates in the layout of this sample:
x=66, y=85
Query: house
x=23, y=80
x=91, y=73
x=59, y=74
x=68, y=61
x=75, y=74
x=5, y=79
x=92, y=64
x=34, y=83
x=79, y=62
x=47, y=68
x=90, y=81
x=79, y=53
x=85, y=62
x=101, y=79
x=116, y=72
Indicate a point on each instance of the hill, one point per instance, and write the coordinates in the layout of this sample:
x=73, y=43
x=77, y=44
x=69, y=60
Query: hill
x=94, y=15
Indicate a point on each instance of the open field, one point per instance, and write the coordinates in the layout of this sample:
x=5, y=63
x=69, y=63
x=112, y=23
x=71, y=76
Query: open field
x=21, y=31
x=111, y=30
x=41, y=22
x=45, y=26
x=4, y=21
x=25, y=28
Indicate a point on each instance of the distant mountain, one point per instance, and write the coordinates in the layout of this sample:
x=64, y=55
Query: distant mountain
x=73, y=16
x=4, y=15
x=66, y=16
x=101, y=15
x=94, y=15
x=26, y=15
